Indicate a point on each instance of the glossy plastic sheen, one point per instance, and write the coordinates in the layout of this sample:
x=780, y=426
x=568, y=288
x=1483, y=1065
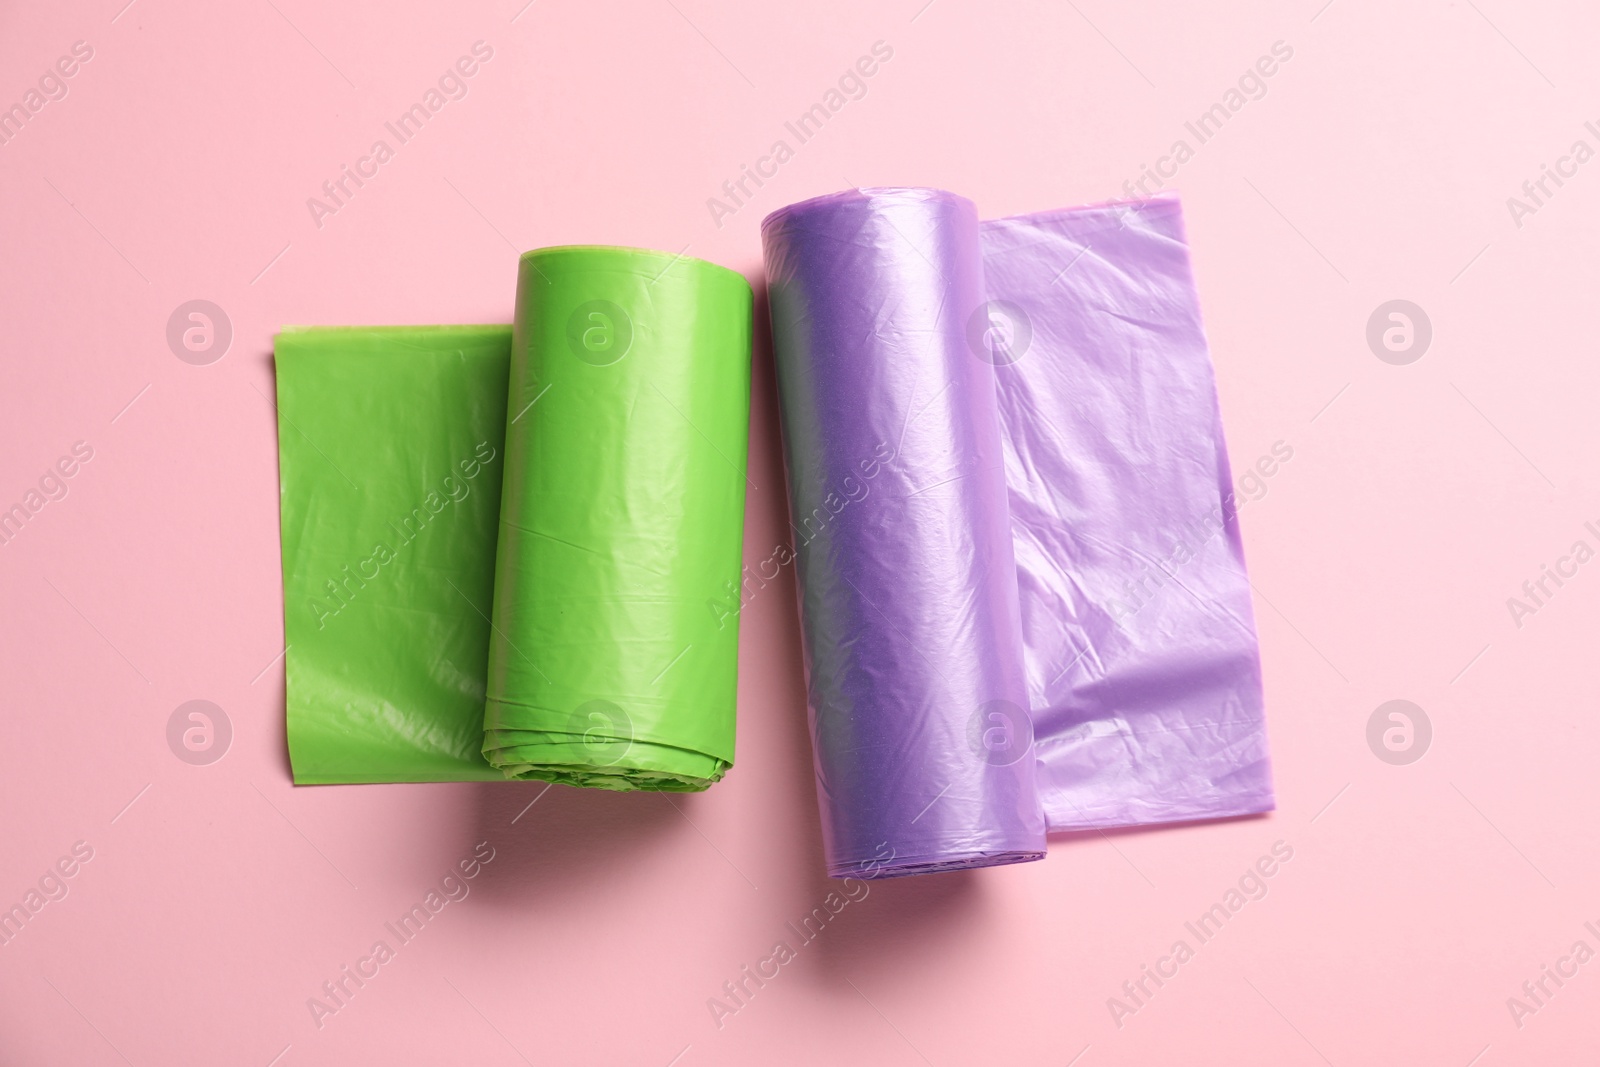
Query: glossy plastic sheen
x=1143, y=668
x=389, y=452
x=619, y=544
x=611, y=660
x=908, y=591
x=908, y=335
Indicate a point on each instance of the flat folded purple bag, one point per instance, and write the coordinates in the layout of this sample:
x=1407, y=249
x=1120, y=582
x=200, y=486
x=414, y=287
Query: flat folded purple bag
x=1144, y=677
x=1009, y=490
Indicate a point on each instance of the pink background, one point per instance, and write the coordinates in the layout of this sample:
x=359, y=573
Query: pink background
x=1420, y=497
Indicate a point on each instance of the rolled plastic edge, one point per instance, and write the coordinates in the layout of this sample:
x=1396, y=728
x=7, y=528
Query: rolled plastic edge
x=960, y=863
x=912, y=194
x=639, y=775
x=667, y=259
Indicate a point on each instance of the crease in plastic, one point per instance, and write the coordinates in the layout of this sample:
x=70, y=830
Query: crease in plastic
x=505, y=548
x=1035, y=402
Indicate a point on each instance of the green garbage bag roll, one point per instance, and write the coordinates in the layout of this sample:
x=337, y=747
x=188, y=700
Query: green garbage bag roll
x=613, y=650
x=612, y=661
x=390, y=444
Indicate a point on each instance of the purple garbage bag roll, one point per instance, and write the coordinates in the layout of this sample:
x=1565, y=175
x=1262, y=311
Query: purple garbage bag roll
x=1005, y=455
x=913, y=641
x=1144, y=676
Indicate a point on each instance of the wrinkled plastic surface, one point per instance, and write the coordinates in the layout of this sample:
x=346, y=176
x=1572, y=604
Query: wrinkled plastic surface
x=1144, y=673
x=389, y=453
x=622, y=522
x=612, y=661
x=908, y=591
x=1072, y=340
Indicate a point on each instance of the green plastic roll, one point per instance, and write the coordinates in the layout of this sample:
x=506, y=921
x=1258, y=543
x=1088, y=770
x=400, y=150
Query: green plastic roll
x=621, y=522
x=615, y=417
x=390, y=443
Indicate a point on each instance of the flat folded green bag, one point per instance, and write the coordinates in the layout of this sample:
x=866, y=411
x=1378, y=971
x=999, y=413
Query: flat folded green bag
x=507, y=551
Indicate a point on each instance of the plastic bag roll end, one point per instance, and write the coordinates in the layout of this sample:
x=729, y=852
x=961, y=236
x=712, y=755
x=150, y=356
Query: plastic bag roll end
x=612, y=662
x=874, y=871
x=913, y=648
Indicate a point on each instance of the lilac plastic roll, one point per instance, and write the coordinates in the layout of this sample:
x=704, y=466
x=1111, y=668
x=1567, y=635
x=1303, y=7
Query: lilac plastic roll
x=1144, y=674
x=946, y=396
x=896, y=467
